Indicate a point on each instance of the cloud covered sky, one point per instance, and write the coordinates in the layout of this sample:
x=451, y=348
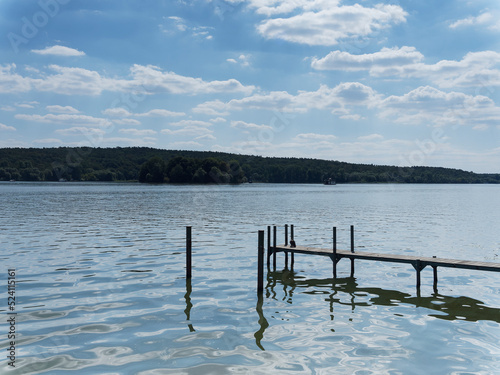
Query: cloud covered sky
x=382, y=82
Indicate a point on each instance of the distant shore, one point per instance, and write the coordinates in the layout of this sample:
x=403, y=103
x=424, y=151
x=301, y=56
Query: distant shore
x=149, y=165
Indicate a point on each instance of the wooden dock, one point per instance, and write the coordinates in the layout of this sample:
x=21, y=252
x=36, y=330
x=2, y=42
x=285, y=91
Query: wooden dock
x=419, y=263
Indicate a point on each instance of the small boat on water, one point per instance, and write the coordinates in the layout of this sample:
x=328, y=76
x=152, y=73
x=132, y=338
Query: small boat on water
x=330, y=181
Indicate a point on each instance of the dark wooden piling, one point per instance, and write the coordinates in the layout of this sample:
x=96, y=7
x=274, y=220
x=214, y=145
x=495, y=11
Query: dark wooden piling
x=268, y=246
x=417, y=268
x=188, y=253
x=352, y=250
x=274, y=248
x=435, y=283
x=286, y=235
x=435, y=274
x=260, y=263
x=352, y=238
x=291, y=232
x=334, y=259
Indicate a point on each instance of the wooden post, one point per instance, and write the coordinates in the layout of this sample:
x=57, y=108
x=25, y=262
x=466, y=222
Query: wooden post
x=352, y=238
x=286, y=235
x=286, y=259
x=418, y=269
x=435, y=272
x=188, y=253
x=274, y=247
x=334, y=252
x=268, y=246
x=292, y=254
x=335, y=240
x=260, y=265
x=352, y=250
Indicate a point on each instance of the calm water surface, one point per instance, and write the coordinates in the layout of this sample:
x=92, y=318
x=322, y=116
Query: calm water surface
x=101, y=286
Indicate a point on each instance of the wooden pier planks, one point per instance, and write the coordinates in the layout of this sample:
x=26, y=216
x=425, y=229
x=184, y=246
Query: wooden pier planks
x=392, y=258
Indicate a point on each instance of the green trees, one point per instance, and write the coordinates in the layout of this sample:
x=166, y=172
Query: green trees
x=197, y=167
x=182, y=170
x=153, y=171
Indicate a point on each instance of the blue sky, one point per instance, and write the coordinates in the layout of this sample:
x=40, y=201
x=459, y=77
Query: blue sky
x=378, y=82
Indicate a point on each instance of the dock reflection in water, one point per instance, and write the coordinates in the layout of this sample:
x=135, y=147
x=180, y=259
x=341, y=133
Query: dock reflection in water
x=284, y=285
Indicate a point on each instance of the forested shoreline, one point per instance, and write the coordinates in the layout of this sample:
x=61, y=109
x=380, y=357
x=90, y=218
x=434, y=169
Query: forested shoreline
x=203, y=167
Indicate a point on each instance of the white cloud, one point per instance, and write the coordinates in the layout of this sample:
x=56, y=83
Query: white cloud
x=330, y=24
x=6, y=127
x=184, y=145
x=25, y=105
x=338, y=100
x=62, y=109
x=160, y=113
x=145, y=80
x=188, y=131
x=242, y=60
x=58, y=51
x=152, y=80
x=117, y=112
x=475, y=69
x=370, y=137
x=387, y=57
x=79, y=130
x=187, y=123
x=485, y=18
x=122, y=112
x=138, y=132
x=65, y=119
x=314, y=137
x=127, y=121
x=48, y=141
x=208, y=137
x=75, y=81
x=212, y=108
x=174, y=25
x=427, y=105
x=273, y=7
x=11, y=82
x=179, y=22
x=249, y=126
x=122, y=141
x=217, y=120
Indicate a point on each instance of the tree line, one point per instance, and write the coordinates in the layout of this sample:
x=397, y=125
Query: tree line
x=170, y=166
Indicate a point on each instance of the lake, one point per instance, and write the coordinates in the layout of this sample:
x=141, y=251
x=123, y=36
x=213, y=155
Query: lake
x=101, y=287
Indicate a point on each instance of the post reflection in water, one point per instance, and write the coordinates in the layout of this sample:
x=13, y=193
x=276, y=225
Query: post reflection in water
x=189, y=305
x=438, y=305
x=262, y=321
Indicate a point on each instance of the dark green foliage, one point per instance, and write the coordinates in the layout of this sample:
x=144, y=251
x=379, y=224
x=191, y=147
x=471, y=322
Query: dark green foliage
x=156, y=166
x=153, y=171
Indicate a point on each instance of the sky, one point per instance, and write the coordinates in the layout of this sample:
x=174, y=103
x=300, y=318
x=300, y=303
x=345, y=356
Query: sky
x=404, y=83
